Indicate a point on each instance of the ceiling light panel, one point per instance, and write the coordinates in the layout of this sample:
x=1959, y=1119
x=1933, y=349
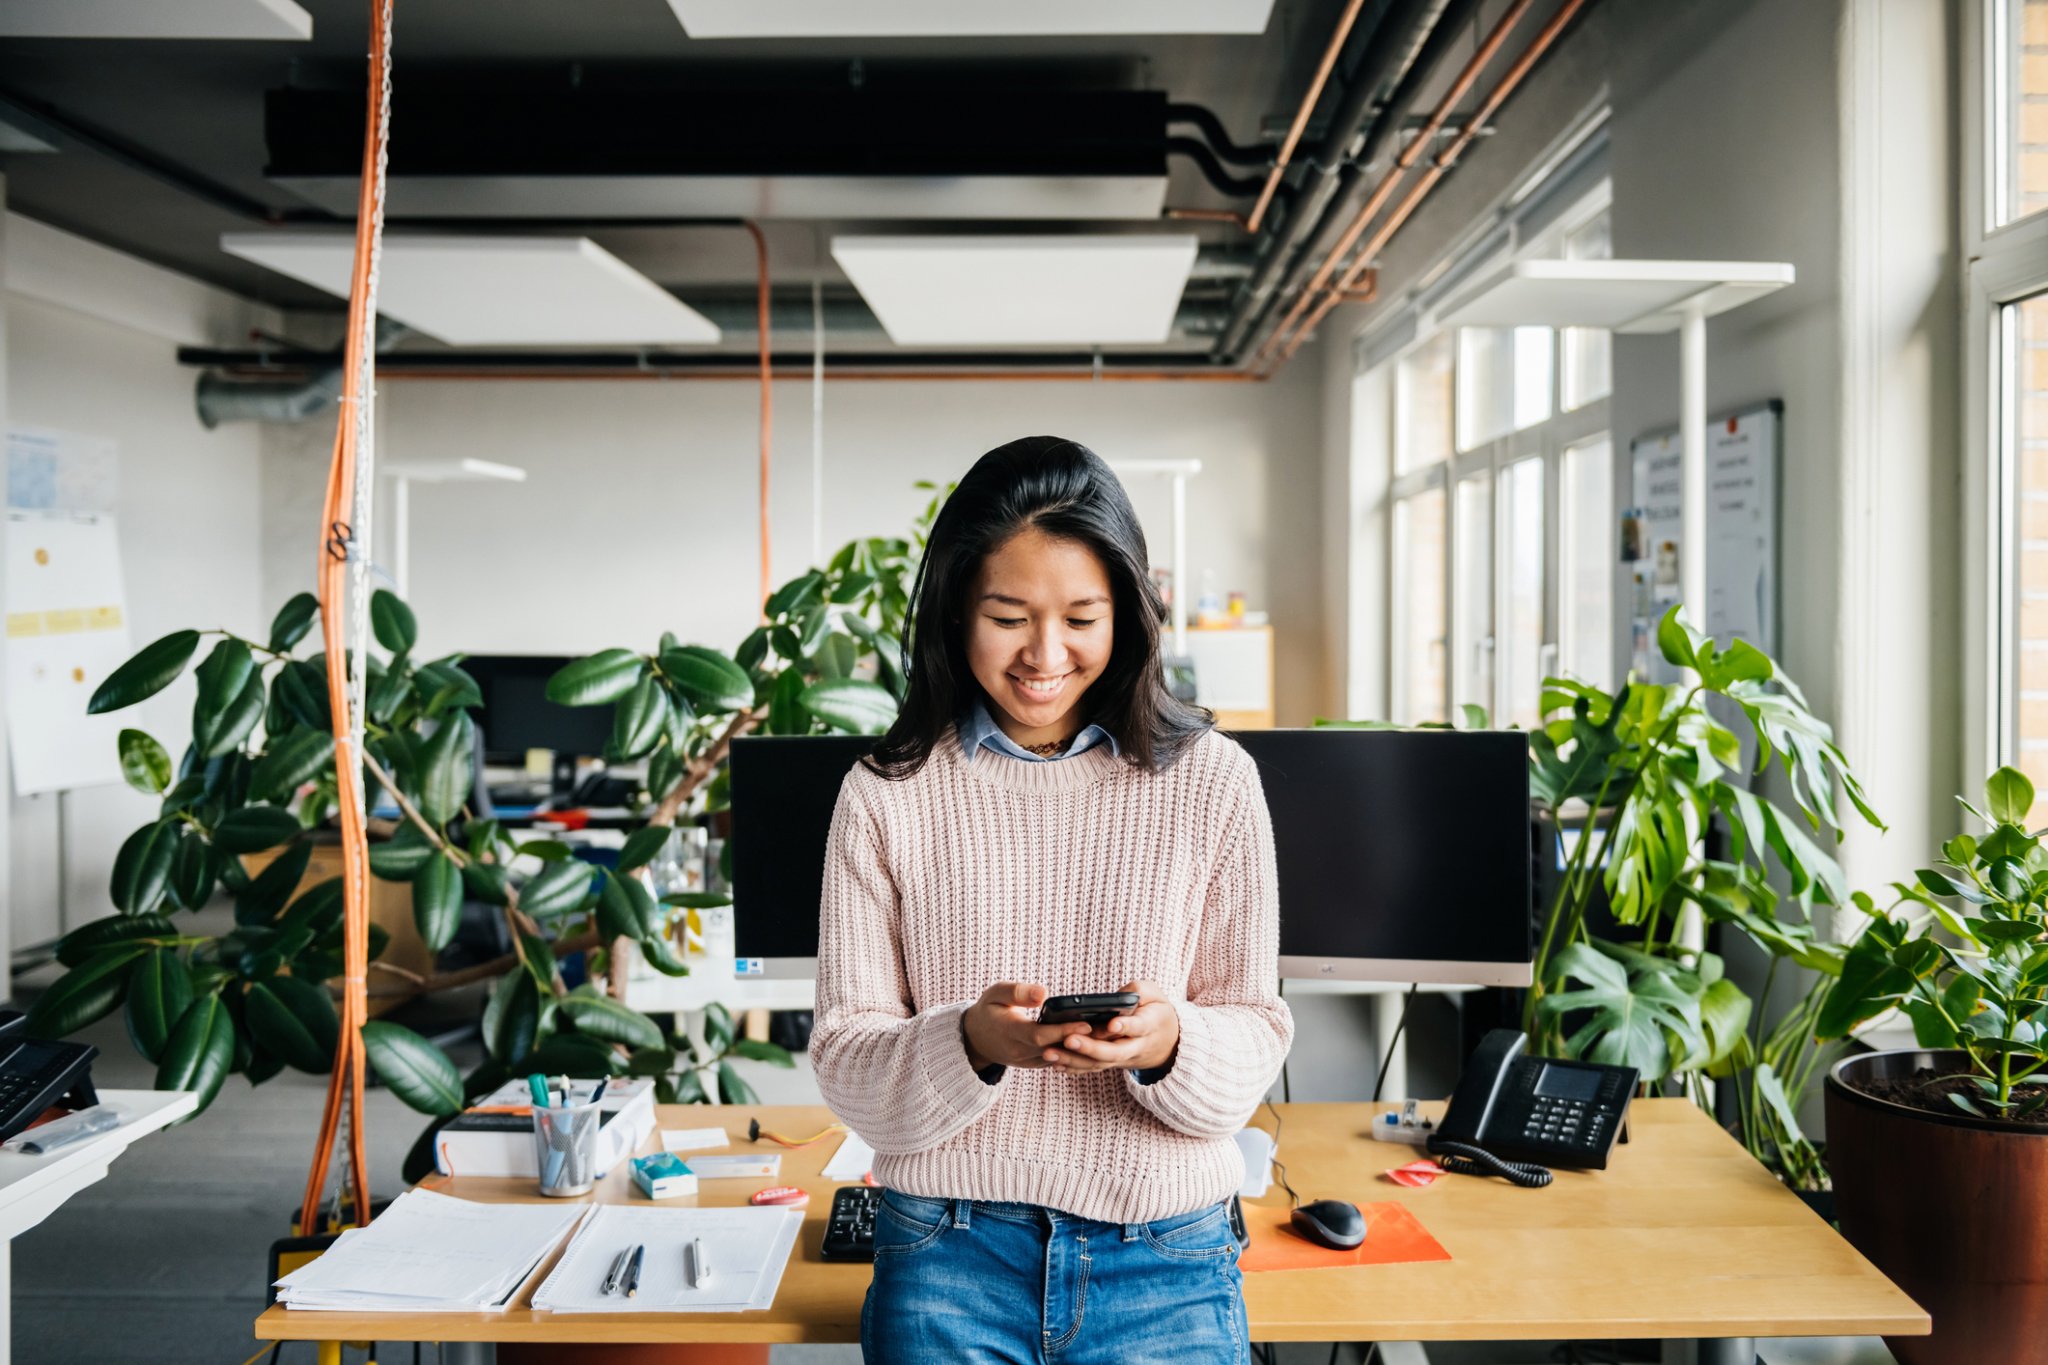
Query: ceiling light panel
x=274, y=19
x=1020, y=291
x=964, y=18
x=493, y=291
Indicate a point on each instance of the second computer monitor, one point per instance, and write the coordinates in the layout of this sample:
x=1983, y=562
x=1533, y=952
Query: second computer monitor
x=1401, y=855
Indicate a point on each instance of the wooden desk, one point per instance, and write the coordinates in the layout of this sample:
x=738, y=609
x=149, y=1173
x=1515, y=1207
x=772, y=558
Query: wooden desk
x=1684, y=1236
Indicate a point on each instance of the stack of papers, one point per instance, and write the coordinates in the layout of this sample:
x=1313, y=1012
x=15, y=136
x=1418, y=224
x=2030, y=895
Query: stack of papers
x=429, y=1253
x=746, y=1248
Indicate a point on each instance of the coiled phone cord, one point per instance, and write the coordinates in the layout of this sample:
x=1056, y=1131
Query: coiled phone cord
x=1462, y=1158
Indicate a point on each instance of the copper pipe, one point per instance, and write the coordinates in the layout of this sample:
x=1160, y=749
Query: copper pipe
x=855, y=376
x=1511, y=78
x=1301, y=115
x=767, y=402
x=1312, y=292
x=1210, y=216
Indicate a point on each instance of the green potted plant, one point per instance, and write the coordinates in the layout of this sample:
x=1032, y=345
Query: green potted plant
x=258, y=777
x=1643, y=781
x=1940, y=1152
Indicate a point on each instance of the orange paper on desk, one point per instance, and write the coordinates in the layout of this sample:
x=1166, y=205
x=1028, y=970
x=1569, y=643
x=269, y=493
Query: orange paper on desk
x=1392, y=1235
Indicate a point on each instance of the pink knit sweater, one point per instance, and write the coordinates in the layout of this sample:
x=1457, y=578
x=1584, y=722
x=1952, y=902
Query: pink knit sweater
x=1079, y=875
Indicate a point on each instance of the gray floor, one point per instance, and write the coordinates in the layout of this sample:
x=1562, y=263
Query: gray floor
x=164, y=1260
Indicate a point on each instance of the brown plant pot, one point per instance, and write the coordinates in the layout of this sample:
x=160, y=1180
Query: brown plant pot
x=1953, y=1209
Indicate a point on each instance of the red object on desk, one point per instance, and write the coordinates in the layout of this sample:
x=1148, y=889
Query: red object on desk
x=1392, y=1235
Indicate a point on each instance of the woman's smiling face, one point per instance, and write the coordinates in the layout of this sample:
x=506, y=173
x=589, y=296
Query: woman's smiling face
x=1038, y=633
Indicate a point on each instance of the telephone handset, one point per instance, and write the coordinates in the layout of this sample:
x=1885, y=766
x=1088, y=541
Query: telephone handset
x=1513, y=1115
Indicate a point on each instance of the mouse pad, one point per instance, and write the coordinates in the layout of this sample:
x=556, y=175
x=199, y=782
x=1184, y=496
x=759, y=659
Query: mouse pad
x=1392, y=1235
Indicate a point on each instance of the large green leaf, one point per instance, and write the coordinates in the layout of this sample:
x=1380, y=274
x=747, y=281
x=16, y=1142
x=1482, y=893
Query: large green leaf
x=401, y=856
x=718, y=1026
x=272, y=888
x=2009, y=796
x=1869, y=985
x=319, y=911
x=447, y=687
x=86, y=993
x=299, y=757
x=626, y=909
x=860, y=708
x=511, y=1018
x=557, y=888
x=389, y=689
x=603, y=1017
x=392, y=621
x=445, y=769
x=200, y=1051
x=300, y=690
x=642, y=844
x=217, y=731
x=794, y=595
x=418, y=1073
x=437, y=901
x=603, y=677
x=575, y=1054
x=786, y=714
x=487, y=882
x=294, y=1020
x=150, y=671
x=142, y=868
x=1633, y=1017
x=144, y=764
x=662, y=957
x=732, y=1089
x=637, y=720
x=293, y=620
x=87, y=939
x=711, y=681
x=159, y=989
x=223, y=674
x=192, y=870
x=255, y=828
x=762, y=1052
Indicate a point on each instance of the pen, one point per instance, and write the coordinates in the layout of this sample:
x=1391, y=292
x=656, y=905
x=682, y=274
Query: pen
x=611, y=1281
x=633, y=1271
x=598, y=1093
x=538, y=1085
x=700, y=1265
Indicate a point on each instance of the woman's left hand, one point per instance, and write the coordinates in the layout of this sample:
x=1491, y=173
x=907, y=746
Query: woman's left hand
x=1139, y=1041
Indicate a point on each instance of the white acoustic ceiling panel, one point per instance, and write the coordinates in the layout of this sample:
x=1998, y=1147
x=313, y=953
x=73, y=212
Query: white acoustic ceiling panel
x=493, y=291
x=276, y=19
x=964, y=18
x=1020, y=291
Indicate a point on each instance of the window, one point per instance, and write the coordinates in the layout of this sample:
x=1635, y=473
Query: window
x=2019, y=109
x=1422, y=406
x=1586, y=557
x=1418, y=617
x=1472, y=639
x=1522, y=652
x=1587, y=351
x=1503, y=381
x=2024, y=325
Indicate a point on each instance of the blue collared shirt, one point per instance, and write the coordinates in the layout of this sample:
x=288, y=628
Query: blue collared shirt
x=978, y=730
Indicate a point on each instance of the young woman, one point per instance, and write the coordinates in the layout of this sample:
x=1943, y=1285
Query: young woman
x=1045, y=819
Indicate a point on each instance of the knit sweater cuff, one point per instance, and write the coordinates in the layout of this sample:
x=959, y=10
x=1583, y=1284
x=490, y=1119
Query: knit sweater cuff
x=954, y=1086
x=1181, y=1098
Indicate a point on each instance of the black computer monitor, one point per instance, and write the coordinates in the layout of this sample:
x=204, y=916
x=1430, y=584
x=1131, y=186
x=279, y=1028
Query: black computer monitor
x=1403, y=855
x=517, y=715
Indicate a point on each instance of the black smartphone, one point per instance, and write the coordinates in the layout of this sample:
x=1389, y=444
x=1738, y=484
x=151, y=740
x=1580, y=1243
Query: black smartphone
x=1092, y=1010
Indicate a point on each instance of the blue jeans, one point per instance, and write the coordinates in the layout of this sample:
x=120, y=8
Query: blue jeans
x=961, y=1280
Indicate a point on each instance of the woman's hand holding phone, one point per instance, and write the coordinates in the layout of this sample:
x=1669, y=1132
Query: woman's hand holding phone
x=1139, y=1041
x=1002, y=1028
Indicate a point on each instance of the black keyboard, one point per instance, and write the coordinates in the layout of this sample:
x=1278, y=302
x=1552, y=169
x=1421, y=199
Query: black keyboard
x=850, y=1231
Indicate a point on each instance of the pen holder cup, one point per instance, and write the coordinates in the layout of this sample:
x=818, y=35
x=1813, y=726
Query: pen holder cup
x=565, y=1148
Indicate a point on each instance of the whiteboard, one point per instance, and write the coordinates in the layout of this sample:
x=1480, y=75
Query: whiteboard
x=1743, y=455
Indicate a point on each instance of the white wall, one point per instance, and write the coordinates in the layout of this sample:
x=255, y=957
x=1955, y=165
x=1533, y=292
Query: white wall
x=188, y=509
x=637, y=514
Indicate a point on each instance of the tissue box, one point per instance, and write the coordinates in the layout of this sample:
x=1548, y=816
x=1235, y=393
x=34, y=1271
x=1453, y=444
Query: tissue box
x=663, y=1176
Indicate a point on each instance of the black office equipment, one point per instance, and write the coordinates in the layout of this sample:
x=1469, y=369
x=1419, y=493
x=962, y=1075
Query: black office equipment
x=35, y=1074
x=850, y=1229
x=1334, y=1223
x=517, y=716
x=1403, y=855
x=1512, y=1115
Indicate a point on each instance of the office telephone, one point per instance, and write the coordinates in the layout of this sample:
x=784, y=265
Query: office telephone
x=35, y=1074
x=1513, y=1115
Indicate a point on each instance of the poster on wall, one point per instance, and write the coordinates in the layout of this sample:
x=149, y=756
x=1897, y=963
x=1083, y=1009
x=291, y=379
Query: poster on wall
x=1742, y=536
x=66, y=609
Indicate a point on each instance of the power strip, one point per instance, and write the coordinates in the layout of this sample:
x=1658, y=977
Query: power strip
x=1407, y=1126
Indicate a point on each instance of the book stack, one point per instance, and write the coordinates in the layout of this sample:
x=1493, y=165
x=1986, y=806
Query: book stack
x=495, y=1135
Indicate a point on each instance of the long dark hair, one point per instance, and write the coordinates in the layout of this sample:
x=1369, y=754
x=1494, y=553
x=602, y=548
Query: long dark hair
x=1063, y=489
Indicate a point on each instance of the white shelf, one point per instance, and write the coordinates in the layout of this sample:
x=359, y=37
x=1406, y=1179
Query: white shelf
x=1621, y=296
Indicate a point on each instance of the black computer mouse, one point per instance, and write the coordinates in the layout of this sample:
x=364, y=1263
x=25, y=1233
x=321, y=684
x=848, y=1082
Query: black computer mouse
x=1331, y=1223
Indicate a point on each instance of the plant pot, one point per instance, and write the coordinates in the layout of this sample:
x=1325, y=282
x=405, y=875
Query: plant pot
x=1953, y=1209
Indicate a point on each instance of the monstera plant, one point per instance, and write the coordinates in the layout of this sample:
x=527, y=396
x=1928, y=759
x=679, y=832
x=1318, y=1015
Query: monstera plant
x=258, y=778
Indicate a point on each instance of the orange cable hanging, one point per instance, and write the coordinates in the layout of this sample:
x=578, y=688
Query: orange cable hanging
x=346, y=503
x=767, y=403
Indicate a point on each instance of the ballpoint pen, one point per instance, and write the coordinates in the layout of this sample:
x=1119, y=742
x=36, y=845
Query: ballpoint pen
x=611, y=1281
x=633, y=1271
x=598, y=1093
x=699, y=1266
